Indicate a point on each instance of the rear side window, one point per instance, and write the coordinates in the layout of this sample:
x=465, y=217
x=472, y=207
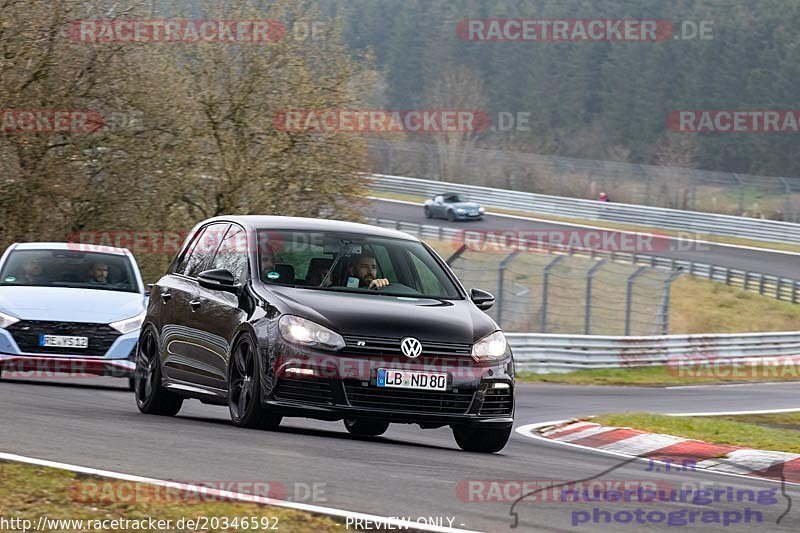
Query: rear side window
x=232, y=253
x=203, y=250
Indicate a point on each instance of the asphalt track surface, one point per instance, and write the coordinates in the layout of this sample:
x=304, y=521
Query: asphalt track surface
x=408, y=472
x=776, y=264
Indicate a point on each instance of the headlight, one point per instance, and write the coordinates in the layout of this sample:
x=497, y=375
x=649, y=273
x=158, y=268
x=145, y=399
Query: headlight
x=302, y=331
x=490, y=348
x=481, y=210
x=7, y=320
x=462, y=211
x=129, y=324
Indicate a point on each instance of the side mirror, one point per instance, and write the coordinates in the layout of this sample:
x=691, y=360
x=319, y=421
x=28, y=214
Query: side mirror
x=484, y=300
x=220, y=279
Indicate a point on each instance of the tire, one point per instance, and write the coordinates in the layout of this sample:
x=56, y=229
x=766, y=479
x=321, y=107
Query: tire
x=151, y=397
x=244, y=390
x=428, y=213
x=366, y=428
x=451, y=216
x=481, y=440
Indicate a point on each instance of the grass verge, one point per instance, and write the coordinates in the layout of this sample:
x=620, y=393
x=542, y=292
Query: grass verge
x=661, y=376
x=29, y=492
x=731, y=431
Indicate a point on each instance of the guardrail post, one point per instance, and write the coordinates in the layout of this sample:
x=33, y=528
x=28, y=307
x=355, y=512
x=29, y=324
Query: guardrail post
x=746, y=278
x=589, y=276
x=761, y=284
x=545, y=281
x=629, y=299
x=794, y=292
x=665, y=308
x=778, y=288
x=501, y=283
x=727, y=275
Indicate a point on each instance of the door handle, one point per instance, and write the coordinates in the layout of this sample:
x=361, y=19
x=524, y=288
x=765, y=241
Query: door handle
x=165, y=296
x=195, y=304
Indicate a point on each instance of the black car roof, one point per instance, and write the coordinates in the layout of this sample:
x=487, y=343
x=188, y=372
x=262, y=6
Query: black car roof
x=257, y=222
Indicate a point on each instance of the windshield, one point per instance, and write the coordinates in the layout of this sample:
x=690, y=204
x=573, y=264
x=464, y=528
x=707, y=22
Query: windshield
x=452, y=199
x=67, y=268
x=352, y=263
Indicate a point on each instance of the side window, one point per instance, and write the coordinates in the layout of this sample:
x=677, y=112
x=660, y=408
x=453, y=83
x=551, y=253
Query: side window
x=180, y=268
x=232, y=253
x=385, y=265
x=430, y=283
x=207, y=244
x=438, y=199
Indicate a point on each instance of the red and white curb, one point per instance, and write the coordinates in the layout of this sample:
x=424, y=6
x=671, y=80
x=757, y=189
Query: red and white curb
x=630, y=443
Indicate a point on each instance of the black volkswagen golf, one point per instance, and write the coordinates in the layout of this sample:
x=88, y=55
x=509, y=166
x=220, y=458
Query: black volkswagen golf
x=280, y=316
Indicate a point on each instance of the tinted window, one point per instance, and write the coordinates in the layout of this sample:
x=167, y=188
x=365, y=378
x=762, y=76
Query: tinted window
x=69, y=268
x=407, y=264
x=232, y=253
x=200, y=256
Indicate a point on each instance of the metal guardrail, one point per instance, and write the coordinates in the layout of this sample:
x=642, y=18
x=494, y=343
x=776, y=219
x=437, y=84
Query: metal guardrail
x=683, y=354
x=784, y=289
x=656, y=217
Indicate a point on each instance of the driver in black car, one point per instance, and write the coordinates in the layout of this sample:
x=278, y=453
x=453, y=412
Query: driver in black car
x=364, y=267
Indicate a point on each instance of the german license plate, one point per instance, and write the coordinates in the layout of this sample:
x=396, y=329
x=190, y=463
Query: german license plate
x=63, y=341
x=412, y=379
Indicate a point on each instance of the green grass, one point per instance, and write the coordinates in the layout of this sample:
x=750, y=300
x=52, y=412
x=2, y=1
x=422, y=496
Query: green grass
x=703, y=306
x=661, y=376
x=28, y=492
x=732, y=431
x=613, y=225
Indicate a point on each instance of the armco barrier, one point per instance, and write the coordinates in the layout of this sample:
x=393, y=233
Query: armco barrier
x=785, y=289
x=639, y=215
x=547, y=353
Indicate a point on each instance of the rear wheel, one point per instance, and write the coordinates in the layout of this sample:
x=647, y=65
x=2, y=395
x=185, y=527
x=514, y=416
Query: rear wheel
x=244, y=396
x=151, y=397
x=485, y=440
x=370, y=428
x=428, y=213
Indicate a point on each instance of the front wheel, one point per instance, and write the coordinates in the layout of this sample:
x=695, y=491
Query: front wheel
x=244, y=391
x=368, y=428
x=151, y=397
x=484, y=440
x=451, y=216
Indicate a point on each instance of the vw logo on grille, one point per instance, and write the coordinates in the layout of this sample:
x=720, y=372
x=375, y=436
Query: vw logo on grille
x=411, y=347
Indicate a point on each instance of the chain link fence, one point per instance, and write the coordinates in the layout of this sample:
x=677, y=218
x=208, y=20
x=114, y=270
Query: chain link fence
x=672, y=187
x=540, y=293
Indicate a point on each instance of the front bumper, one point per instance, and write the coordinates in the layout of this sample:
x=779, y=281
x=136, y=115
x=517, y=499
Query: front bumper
x=118, y=360
x=332, y=386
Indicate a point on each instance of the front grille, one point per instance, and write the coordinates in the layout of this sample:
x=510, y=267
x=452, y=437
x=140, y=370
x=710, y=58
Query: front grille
x=26, y=335
x=387, y=347
x=408, y=400
x=313, y=390
x=497, y=402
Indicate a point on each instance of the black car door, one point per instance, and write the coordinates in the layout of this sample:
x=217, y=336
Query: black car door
x=184, y=350
x=217, y=314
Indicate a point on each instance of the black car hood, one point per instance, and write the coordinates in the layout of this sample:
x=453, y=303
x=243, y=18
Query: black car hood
x=455, y=321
